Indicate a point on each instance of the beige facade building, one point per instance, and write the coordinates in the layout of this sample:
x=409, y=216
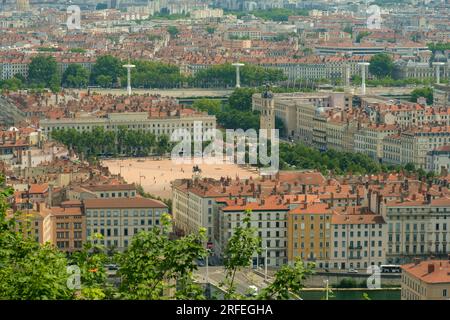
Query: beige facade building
x=357, y=240
x=119, y=219
x=196, y=124
x=426, y=280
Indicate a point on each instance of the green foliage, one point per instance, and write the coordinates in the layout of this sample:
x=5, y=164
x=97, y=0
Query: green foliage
x=439, y=46
x=288, y=281
x=241, y=98
x=208, y=105
x=381, y=65
x=278, y=14
x=168, y=16
x=12, y=84
x=154, y=74
x=173, y=31
x=303, y=157
x=422, y=92
x=91, y=261
x=361, y=35
x=43, y=71
x=77, y=50
x=121, y=142
x=224, y=75
x=154, y=266
x=101, y=6
x=75, y=76
x=238, y=253
x=210, y=30
x=106, y=70
x=47, y=49
x=28, y=271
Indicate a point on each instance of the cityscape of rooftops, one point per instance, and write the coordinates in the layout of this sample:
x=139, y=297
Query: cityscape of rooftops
x=225, y=150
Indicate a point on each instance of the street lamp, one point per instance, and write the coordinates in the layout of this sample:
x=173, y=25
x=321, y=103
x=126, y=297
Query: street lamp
x=238, y=76
x=363, y=66
x=265, y=263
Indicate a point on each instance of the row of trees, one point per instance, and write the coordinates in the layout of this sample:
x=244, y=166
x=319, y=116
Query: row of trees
x=274, y=14
x=224, y=75
x=298, y=156
x=108, y=71
x=121, y=142
x=154, y=266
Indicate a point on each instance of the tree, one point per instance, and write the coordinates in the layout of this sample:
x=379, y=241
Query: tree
x=43, y=71
x=288, y=281
x=241, y=98
x=75, y=76
x=104, y=81
x=91, y=260
x=240, y=248
x=422, y=92
x=155, y=267
x=361, y=35
x=28, y=271
x=210, y=30
x=109, y=67
x=208, y=105
x=173, y=31
x=381, y=65
x=12, y=84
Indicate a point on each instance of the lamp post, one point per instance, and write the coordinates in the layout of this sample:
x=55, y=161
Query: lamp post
x=265, y=264
x=363, y=66
x=238, y=76
x=438, y=71
x=129, y=67
x=140, y=179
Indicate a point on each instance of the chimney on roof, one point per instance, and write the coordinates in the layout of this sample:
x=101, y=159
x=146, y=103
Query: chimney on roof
x=430, y=267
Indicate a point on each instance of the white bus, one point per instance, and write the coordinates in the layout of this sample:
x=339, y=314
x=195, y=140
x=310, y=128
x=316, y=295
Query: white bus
x=390, y=268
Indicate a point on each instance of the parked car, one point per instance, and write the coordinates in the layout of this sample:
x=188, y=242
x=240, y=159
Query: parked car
x=351, y=270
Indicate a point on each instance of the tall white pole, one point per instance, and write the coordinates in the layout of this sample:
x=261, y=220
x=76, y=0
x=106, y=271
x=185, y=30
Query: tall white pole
x=438, y=71
x=207, y=270
x=129, y=81
x=363, y=66
x=238, y=75
x=129, y=66
x=265, y=266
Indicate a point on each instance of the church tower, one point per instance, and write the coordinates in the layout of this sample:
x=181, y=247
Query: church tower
x=267, y=118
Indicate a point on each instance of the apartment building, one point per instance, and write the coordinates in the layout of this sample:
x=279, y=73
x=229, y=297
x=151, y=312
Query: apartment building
x=297, y=109
x=418, y=226
x=309, y=233
x=358, y=239
x=64, y=226
x=417, y=142
x=438, y=160
x=269, y=218
x=196, y=123
x=101, y=191
x=426, y=280
x=119, y=219
x=369, y=139
x=441, y=95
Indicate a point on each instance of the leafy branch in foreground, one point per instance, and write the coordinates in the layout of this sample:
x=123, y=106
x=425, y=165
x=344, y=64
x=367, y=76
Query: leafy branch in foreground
x=155, y=267
x=238, y=254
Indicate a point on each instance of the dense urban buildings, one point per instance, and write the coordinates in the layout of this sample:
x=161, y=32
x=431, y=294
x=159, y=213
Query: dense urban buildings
x=362, y=110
